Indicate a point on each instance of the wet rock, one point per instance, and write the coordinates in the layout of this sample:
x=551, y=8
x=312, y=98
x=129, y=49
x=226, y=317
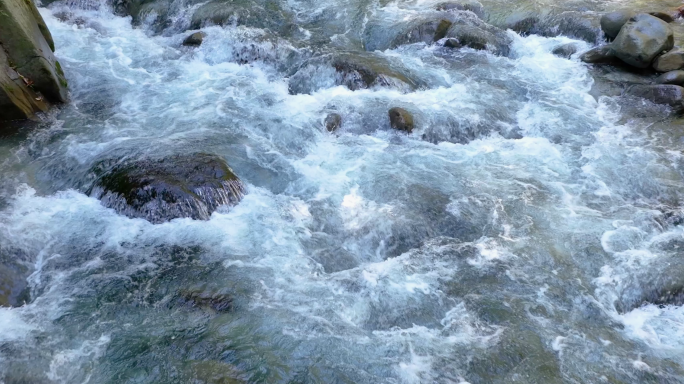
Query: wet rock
x=333, y=121
x=476, y=34
x=672, y=95
x=352, y=70
x=265, y=14
x=565, y=50
x=577, y=25
x=473, y=6
x=401, y=119
x=666, y=16
x=669, y=61
x=641, y=39
x=427, y=29
x=14, y=290
x=602, y=54
x=17, y=100
x=674, y=77
x=28, y=46
x=194, y=40
x=160, y=190
x=612, y=22
x=523, y=23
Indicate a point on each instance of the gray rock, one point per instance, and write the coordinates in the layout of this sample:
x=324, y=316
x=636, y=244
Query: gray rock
x=475, y=33
x=670, y=61
x=672, y=95
x=159, y=190
x=473, y=6
x=612, y=22
x=641, y=39
x=565, y=50
x=523, y=23
x=381, y=35
x=257, y=14
x=673, y=77
x=194, y=40
x=602, y=54
x=401, y=119
x=333, y=121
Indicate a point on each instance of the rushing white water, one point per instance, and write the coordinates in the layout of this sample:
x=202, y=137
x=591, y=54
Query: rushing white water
x=510, y=238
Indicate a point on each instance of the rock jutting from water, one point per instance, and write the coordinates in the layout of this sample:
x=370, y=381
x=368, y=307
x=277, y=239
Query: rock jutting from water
x=159, y=190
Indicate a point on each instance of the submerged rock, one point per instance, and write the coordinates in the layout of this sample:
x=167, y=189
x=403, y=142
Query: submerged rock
x=425, y=29
x=672, y=95
x=352, y=70
x=266, y=14
x=674, y=77
x=612, y=22
x=641, y=39
x=401, y=119
x=475, y=33
x=473, y=6
x=207, y=298
x=333, y=121
x=194, y=40
x=669, y=61
x=160, y=190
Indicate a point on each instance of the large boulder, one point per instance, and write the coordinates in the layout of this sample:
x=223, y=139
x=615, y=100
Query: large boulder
x=672, y=95
x=612, y=22
x=159, y=190
x=641, y=39
x=28, y=44
x=469, y=31
x=17, y=100
x=669, y=61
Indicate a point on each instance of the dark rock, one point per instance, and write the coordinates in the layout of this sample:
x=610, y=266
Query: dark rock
x=473, y=6
x=207, y=298
x=672, y=95
x=194, y=40
x=333, y=121
x=565, y=50
x=160, y=190
x=420, y=30
x=666, y=16
x=641, y=39
x=29, y=46
x=474, y=33
x=670, y=61
x=353, y=70
x=602, y=54
x=523, y=23
x=401, y=119
x=612, y=22
x=674, y=77
x=577, y=25
x=427, y=32
x=14, y=290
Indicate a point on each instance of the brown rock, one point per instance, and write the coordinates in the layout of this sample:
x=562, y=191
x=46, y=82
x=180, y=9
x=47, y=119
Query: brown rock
x=194, y=40
x=401, y=119
x=670, y=61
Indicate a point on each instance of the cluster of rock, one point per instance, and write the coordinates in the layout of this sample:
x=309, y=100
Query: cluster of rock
x=644, y=41
x=30, y=76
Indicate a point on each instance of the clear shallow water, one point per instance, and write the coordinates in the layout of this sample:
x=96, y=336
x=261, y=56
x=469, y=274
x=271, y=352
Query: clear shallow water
x=510, y=238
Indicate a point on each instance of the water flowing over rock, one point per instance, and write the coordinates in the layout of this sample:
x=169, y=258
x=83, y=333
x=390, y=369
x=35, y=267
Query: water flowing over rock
x=641, y=39
x=160, y=190
x=672, y=95
x=473, y=33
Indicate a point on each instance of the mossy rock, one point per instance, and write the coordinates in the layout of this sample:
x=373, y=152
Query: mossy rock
x=159, y=190
x=17, y=100
x=28, y=43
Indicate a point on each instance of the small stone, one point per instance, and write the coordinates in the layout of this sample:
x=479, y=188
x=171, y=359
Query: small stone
x=670, y=61
x=194, y=40
x=673, y=77
x=401, y=119
x=332, y=122
x=602, y=54
x=565, y=50
x=612, y=23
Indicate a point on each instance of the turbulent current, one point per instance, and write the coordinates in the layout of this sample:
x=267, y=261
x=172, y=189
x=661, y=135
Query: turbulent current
x=528, y=230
